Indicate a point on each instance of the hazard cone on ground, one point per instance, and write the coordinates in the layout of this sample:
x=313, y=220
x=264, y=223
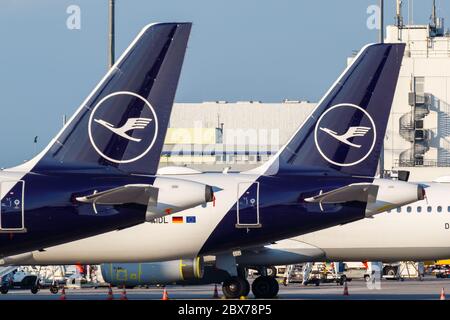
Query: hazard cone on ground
x=110, y=294
x=63, y=294
x=123, y=295
x=345, y=289
x=165, y=295
x=216, y=292
x=442, y=297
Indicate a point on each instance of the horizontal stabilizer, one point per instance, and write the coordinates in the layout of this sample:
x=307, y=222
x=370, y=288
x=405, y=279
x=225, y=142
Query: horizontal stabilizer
x=363, y=192
x=144, y=194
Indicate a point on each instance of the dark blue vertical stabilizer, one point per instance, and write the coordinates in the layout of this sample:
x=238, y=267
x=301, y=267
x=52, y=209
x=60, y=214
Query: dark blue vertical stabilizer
x=123, y=123
x=346, y=131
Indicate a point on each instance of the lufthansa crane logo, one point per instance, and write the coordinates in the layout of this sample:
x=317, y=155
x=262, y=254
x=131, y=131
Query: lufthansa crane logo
x=351, y=133
x=345, y=135
x=123, y=127
x=131, y=124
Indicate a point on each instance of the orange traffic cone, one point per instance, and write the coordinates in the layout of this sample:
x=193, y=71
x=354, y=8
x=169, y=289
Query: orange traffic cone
x=442, y=297
x=110, y=294
x=345, y=289
x=216, y=292
x=165, y=295
x=123, y=295
x=63, y=294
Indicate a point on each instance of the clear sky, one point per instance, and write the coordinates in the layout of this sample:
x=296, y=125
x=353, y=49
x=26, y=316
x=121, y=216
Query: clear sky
x=264, y=50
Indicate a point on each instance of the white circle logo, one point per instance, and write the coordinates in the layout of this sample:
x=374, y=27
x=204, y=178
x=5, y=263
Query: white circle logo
x=123, y=127
x=345, y=136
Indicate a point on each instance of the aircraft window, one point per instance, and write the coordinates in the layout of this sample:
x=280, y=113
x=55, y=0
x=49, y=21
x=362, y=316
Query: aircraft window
x=439, y=209
x=408, y=209
x=419, y=209
x=448, y=208
x=429, y=208
x=399, y=209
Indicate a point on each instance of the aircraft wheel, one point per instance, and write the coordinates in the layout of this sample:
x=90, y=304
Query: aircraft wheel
x=390, y=271
x=235, y=287
x=272, y=272
x=34, y=289
x=54, y=289
x=265, y=287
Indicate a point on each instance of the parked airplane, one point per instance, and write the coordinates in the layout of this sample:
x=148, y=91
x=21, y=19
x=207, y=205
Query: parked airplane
x=414, y=232
x=89, y=179
x=315, y=181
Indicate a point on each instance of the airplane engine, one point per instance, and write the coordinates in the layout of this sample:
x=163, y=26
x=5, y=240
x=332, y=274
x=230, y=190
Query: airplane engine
x=176, y=195
x=167, y=272
x=393, y=194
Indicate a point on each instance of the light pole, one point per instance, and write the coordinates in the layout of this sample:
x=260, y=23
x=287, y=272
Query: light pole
x=381, y=35
x=381, y=40
x=111, y=30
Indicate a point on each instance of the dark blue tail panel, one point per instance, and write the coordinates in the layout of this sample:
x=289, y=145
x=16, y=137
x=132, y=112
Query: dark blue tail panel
x=124, y=122
x=346, y=131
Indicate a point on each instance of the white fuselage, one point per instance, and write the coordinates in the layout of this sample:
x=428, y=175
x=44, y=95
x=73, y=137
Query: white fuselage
x=152, y=241
x=411, y=234
x=165, y=240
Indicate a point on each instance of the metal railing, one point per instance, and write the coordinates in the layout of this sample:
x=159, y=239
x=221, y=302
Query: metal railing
x=420, y=163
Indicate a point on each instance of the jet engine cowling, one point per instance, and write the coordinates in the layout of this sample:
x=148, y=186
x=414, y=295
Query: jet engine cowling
x=393, y=194
x=176, y=195
x=135, y=274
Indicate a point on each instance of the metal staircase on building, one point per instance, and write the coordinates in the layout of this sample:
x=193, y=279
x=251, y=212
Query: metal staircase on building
x=413, y=131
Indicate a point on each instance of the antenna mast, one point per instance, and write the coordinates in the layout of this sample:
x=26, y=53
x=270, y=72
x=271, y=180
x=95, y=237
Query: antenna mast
x=433, y=15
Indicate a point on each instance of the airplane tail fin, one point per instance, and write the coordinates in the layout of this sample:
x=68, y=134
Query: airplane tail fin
x=123, y=122
x=346, y=130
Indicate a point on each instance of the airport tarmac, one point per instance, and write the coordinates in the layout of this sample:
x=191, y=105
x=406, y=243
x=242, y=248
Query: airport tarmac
x=429, y=289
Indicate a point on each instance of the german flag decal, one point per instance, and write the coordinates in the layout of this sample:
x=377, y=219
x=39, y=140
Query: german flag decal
x=177, y=219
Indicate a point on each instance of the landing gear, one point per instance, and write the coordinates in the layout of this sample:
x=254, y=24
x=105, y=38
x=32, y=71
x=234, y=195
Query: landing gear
x=272, y=272
x=265, y=287
x=235, y=287
x=246, y=289
x=54, y=289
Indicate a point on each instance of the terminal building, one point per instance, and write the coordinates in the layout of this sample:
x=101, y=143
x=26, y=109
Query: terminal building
x=212, y=136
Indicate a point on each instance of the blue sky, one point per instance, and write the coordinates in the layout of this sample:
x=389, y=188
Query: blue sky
x=264, y=50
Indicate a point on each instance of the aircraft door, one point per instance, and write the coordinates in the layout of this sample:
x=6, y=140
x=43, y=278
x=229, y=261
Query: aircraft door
x=12, y=216
x=248, y=205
